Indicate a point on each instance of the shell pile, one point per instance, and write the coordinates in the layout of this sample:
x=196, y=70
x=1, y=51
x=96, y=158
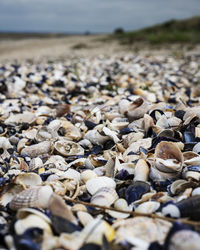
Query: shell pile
x=90, y=148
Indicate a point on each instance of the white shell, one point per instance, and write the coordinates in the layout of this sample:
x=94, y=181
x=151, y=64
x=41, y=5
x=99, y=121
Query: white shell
x=148, y=207
x=66, y=148
x=37, y=149
x=28, y=179
x=94, y=184
x=104, y=197
x=87, y=175
x=26, y=117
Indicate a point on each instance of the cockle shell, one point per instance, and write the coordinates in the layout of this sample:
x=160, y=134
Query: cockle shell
x=37, y=149
x=94, y=184
x=66, y=148
x=32, y=197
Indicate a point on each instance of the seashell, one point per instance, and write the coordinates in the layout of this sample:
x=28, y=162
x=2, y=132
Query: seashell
x=5, y=146
x=24, y=212
x=196, y=148
x=94, y=184
x=30, y=133
x=111, y=134
x=141, y=172
x=119, y=123
x=58, y=187
x=179, y=186
x=87, y=175
x=58, y=207
x=95, y=137
x=56, y=161
x=32, y=197
x=35, y=163
x=35, y=150
x=148, y=207
x=120, y=204
x=123, y=106
x=21, y=144
x=104, y=197
x=69, y=131
x=28, y=179
x=67, y=148
x=184, y=239
x=72, y=175
x=143, y=228
x=137, y=109
x=43, y=134
x=168, y=157
x=190, y=207
x=84, y=217
x=62, y=109
x=26, y=117
x=95, y=231
x=31, y=220
x=132, y=137
x=8, y=193
x=196, y=191
x=136, y=190
x=135, y=146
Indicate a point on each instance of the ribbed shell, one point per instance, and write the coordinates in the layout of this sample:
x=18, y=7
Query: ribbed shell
x=32, y=197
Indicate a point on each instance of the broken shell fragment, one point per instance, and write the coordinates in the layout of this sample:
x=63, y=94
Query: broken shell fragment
x=67, y=148
x=35, y=150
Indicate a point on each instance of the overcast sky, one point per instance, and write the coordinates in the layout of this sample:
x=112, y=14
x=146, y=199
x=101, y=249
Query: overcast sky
x=90, y=15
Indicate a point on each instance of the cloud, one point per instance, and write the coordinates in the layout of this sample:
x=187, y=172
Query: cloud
x=93, y=15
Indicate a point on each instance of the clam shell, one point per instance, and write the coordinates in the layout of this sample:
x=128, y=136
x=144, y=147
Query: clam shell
x=37, y=149
x=32, y=197
x=94, y=184
x=104, y=197
x=66, y=148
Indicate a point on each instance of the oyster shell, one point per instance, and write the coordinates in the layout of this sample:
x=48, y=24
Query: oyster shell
x=67, y=148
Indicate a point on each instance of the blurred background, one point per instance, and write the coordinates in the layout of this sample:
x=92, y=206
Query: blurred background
x=126, y=22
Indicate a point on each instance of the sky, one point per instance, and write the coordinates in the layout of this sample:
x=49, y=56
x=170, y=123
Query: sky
x=95, y=16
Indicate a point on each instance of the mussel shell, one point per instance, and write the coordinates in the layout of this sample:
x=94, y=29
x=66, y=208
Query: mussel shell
x=136, y=190
x=190, y=207
x=62, y=225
